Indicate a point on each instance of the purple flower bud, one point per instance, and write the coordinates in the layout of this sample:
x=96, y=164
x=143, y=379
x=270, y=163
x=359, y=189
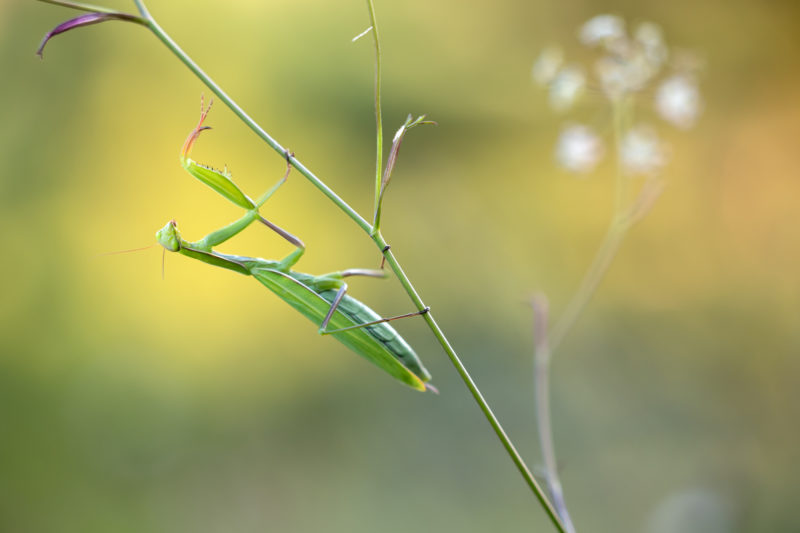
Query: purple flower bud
x=86, y=20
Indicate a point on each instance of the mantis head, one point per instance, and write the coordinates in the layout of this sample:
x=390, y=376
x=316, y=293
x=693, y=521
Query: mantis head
x=169, y=237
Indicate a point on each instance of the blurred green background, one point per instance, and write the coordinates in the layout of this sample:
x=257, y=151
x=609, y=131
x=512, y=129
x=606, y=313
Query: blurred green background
x=202, y=403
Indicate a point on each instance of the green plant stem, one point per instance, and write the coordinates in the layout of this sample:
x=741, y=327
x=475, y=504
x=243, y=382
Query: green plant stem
x=381, y=243
x=378, y=114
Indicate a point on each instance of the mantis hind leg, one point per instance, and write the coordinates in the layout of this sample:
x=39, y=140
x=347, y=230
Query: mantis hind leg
x=381, y=321
x=368, y=272
x=337, y=300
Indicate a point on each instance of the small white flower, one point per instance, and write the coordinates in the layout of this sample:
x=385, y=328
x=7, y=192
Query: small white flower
x=547, y=64
x=602, y=28
x=678, y=101
x=641, y=152
x=567, y=87
x=578, y=149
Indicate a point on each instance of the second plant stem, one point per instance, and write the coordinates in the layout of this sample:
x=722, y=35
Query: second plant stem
x=547, y=341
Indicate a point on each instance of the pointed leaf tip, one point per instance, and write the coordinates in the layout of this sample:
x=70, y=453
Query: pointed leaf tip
x=85, y=20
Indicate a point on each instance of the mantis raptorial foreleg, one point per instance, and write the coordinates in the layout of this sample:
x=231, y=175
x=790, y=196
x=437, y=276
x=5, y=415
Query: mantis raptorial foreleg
x=221, y=235
x=222, y=183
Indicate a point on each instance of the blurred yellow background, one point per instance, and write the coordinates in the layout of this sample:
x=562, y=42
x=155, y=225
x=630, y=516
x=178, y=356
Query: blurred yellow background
x=203, y=403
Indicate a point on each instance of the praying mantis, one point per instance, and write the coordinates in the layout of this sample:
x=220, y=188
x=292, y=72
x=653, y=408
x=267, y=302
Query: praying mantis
x=322, y=299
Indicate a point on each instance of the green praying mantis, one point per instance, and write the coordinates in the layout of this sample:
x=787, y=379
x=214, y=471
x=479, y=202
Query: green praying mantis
x=322, y=299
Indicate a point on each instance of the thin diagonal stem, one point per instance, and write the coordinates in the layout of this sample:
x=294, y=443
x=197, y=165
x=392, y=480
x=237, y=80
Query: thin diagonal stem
x=377, y=238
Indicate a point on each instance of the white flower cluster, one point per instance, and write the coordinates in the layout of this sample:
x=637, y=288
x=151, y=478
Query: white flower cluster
x=628, y=65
